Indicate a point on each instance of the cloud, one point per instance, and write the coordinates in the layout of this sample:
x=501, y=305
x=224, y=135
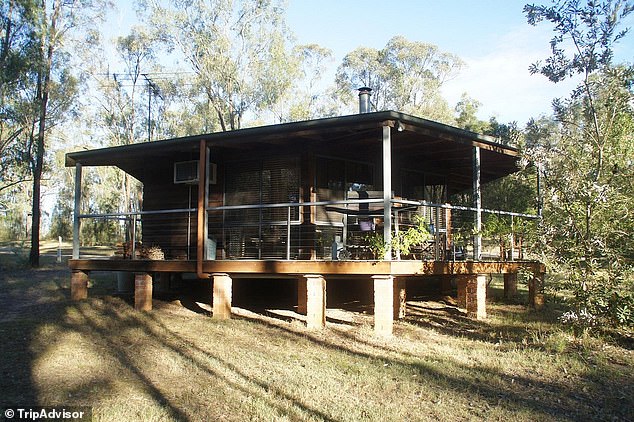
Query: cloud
x=500, y=79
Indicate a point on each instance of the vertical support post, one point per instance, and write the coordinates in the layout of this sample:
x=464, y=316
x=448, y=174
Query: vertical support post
x=396, y=230
x=400, y=298
x=510, y=285
x=78, y=285
x=540, y=203
x=387, y=191
x=143, y=292
x=76, y=211
x=477, y=204
x=133, y=240
x=222, y=295
x=288, y=234
x=512, y=239
x=59, y=249
x=472, y=291
x=449, y=237
x=477, y=296
x=203, y=195
x=315, y=301
x=302, y=296
x=535, y=291
x=383, y=305
x=437, y=250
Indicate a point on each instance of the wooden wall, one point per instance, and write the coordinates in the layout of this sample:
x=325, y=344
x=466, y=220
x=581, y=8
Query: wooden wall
x=169, y=231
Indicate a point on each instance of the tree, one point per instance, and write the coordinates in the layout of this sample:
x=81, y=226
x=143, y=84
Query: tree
x=304, y=100
x=588, y=168
x=404, y=75
x=466, y=110
x=236, y=49
x=37, y=86
x=18, y=41
x=54, y=21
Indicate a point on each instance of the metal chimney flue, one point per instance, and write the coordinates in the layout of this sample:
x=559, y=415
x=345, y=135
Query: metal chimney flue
x=364, y=99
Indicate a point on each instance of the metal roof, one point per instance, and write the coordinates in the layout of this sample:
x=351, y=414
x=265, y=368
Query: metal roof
x=444, y=148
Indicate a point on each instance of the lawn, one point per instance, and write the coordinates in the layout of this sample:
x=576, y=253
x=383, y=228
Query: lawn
x=177, y=364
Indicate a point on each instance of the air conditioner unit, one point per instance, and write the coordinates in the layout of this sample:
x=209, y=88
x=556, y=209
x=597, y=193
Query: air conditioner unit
x=187, y=172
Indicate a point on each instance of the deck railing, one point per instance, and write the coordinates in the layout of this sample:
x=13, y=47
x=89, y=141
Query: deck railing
x=323, y=230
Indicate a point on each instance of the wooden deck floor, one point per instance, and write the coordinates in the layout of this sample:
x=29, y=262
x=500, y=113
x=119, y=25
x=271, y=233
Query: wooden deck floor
x=262, y=268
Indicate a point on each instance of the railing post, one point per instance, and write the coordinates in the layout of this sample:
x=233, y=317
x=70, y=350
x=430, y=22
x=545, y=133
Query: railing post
x=396, y=230
x=133, y=237
x=288, y=234
x=387, y=191
x=477, y=204
x=512, y=240
x=76, y=211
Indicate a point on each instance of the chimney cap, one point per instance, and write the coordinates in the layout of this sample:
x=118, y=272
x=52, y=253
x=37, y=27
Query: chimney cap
x=364, y=90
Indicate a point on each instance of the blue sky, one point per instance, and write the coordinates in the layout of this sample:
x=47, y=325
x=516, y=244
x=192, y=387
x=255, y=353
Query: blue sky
x=491, y=36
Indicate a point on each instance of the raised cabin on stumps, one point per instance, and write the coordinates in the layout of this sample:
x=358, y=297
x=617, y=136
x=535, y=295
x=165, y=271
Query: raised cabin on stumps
x=306, y=200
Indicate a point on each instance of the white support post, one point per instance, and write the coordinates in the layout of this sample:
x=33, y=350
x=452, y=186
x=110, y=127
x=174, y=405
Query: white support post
x=76, y=211
x=222, y=295
x=315, y=301
x=387, y=191
x=477, y=204
x=383, y=305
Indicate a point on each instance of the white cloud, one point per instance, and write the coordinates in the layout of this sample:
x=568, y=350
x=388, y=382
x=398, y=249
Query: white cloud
x=500, y=80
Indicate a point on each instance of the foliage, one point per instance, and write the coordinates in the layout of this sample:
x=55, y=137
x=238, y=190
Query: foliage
x=588, y=167
x=18, y=49
x=37, y=88
x=237, y=51
x=304, y=100
x=404, y=76
x=403, y=242
x=466, y=111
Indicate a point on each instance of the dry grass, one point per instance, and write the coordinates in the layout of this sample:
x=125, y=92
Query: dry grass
x=175, y=364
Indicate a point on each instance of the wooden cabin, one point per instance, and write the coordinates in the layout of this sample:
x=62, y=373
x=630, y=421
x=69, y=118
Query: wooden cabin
x=305, y=200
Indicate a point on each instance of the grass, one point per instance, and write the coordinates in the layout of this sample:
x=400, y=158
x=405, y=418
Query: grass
x=176, y=364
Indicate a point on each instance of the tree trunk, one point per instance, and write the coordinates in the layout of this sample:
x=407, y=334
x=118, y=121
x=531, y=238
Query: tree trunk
x=47, y=44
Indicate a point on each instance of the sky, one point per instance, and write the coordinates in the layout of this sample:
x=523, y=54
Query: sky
x=491, y=36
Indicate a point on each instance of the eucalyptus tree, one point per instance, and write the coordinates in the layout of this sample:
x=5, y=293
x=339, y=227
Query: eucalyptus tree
x=588, y=168
x=18, y=41
x=238, y=51
x=306, y=98
x=50, y=87
x=404, y=75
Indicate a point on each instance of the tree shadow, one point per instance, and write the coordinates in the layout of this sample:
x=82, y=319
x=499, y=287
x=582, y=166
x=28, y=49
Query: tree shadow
x=106, y=322
x=169, y=340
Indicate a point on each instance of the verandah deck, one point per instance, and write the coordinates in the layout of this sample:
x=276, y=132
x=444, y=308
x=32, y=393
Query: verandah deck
x=388, y=278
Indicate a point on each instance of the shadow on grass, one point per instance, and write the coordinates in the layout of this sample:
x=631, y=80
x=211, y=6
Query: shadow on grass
x=22, y=310
x=161, y=336
x=107, y=323
x=562, y=400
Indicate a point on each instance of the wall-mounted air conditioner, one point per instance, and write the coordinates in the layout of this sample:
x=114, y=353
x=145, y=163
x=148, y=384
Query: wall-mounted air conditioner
x=187, y=172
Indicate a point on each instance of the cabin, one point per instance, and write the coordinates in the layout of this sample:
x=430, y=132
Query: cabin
x=317, y=201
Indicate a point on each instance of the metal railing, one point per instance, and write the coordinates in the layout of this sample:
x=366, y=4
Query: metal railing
x=323, y=230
